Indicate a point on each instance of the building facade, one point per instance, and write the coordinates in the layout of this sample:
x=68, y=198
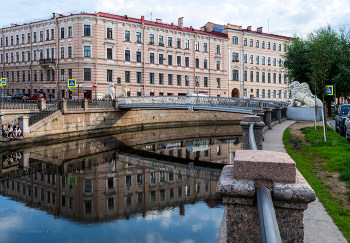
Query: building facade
x=256, y=63
x=152, y=58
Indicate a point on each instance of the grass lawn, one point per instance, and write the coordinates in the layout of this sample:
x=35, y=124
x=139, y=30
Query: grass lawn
x=315, y=155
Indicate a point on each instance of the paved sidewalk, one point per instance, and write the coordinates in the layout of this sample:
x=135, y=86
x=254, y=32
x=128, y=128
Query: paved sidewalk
x=319, y=226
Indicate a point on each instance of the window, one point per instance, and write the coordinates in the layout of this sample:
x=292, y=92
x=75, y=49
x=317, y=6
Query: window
x=251, y=57
x=257, y=93
x=257, y=59
x=170, y=60
x=234, y=56
x=245, y=42
x=88, y=186
x=170, y=41
x=109, y=33
x=34, y=55
x=187, y=61
x=109, y=75
x=251, y=42
x=245, y=75
x=138, y=77
x=52, y=34
x=274, y=46
x=235, y=75
x=257, y=77
x=257, y=43
x=127, y=35
x=28, y=38
x=263, y=93
x=263, y=60
x=178, y=80
x=127, y=55
x=263, y=77
x=161, y=78
x=109, y=53
x=128, y=180
x=263, y=44
x=285, y=79
x=87, y=74
x=178, y=60
x=279, y=47
x=279, y=78
x=69, y=51
x=87, y=30
x=245, y=92
x=151, y=78
x=138, y=56
x=196, y=45
x=22, y=38
x=35, y=76
x=218, y=64
x=235, y=40
x=205, y=47
x=47, y=34
x=62, y=32
x=251, y=76
x=218, y=49
x=17, y=40
x=274, y=61
x=178, y=43
x=285, y=94
x=280, y=62
x=153, y=177
x=138, y=37
x=11, y=56
x=48, y=74
x=127, y=76
x=269, y=61
x=24, y=76
x=284, y=48
x=205, y=81
x=7, y=57
x=41, y=75
x=205, y=63
x=245, y=57
x=161, y=40
x=62, y=52
x=187, y=45
x=87, y=51
x=151, y=57
x=217, y=82
x=41, y=36
x=170, y=79
x=34, y=36
x=151, y=39
x=274, y=78
x=62, y=74
x=268, y=45
x=274, y=94
x=269, y=77
x=197, y=62
x=268, y=93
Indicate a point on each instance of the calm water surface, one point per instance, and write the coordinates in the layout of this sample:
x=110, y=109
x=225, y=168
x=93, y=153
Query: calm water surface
x=150, y=186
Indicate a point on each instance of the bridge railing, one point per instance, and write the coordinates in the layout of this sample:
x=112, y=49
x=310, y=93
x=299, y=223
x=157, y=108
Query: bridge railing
x=18, y=104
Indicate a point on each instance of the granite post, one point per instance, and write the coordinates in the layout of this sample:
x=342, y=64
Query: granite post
x=279, y=115
x=23, y=122
x=258, y=113
x=238, y=183
x=85, y=104
x=63, y=105
x=115, y=104
x=268, y=118
x=41, y=104
x=258, y=131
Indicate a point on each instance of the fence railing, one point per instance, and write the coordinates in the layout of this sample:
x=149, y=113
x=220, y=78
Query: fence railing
x=19, y=104
x=100, y=103
x=284, y=113
x=273, y=115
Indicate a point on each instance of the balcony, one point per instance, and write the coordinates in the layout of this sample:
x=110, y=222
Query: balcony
x=47, y=61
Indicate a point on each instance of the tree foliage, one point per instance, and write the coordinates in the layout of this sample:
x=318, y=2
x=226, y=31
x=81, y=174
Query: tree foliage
x=322, y=58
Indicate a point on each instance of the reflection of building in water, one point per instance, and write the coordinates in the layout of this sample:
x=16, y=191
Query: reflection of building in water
x=217, y=150
x=109, y=186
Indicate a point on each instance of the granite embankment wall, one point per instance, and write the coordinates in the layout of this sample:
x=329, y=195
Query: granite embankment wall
x=73, y=124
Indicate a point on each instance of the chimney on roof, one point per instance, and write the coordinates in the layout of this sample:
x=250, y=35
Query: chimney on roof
x=181, y=23
x=142, y=18
x=259, y=30
x=249, y=28
x=159, y=21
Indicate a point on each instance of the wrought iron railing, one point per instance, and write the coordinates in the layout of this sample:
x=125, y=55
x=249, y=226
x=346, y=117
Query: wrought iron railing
x=18, y=104
x=100, y=103
x=273, y=115
x=74, y=104
x=42, y=114
x=284, y=113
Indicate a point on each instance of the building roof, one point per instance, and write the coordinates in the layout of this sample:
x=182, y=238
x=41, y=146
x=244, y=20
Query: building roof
x=266, y=34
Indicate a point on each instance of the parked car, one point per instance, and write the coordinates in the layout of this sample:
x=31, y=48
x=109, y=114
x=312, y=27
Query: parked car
x=20, y=96
x=41, y=92
x=347, y=127
x=340, y=116
x=6, y=97
x=37, y=96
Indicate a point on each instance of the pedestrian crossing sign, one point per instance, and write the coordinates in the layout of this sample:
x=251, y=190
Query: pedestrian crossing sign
x=3, y=81
x=72, y=180
x=329, y=89
x=71, y=89
x=72, y=83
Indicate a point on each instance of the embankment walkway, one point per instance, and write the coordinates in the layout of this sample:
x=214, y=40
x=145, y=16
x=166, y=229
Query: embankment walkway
x=319, y=226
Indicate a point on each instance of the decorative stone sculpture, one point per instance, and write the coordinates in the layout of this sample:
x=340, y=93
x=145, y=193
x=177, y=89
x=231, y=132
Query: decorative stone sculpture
x=301, y=92
x=110, y=91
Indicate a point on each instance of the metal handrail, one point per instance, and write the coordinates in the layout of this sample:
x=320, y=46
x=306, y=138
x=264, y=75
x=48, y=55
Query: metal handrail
x=252, y=142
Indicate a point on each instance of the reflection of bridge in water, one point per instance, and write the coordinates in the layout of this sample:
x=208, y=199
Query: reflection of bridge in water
x=112, y=181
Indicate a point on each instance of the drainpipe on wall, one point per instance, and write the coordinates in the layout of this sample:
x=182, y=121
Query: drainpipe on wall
x=30, y=62
x=144, y=70
x=56, y=64
x=229, y=70
x=98, y=17
x=243, y=65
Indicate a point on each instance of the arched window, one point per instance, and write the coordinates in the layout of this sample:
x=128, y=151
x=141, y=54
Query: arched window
x=263, y=44
x=280, y=62
x=251, y=42
x=279, y=47
x=274, y=61
x=263, y=60
x=284, y=48
x=257, y=59
x=257, y=43
x=235, y=40
x=245, y=41
x=268, y=45
x=274, y=46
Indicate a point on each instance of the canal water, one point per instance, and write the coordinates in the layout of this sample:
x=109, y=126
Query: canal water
x=147, y=186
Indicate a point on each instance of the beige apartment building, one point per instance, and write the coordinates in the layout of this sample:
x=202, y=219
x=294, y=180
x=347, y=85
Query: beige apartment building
x=152, y=58
x=256, y=63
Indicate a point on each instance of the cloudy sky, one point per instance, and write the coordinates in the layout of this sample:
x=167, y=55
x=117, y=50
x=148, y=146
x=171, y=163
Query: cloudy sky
x=284, y=17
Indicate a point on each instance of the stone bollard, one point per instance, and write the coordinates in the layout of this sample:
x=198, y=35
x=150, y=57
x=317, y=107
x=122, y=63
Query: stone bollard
x=23, y=122
x=258, y=128
x=238, y=183
x=85, y=104
x=63, y=105
x=268, y=118
x=41, y=104
x=116, y=104
x=279, y=115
